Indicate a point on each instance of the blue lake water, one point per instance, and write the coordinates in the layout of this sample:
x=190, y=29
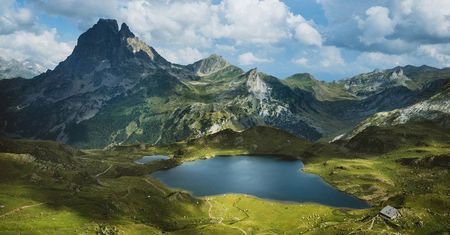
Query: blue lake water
x=151, y=158
x=267, y=177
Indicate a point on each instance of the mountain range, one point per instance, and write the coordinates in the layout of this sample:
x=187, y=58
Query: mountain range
x=115, y=89
x=24, y=69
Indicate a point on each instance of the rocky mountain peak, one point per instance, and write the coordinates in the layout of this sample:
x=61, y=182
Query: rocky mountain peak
x=104, y=29
x=209, y=65
x=106, y=43
x=398, y=74
x=125, y=31
x=252, y=73
x=256, y=85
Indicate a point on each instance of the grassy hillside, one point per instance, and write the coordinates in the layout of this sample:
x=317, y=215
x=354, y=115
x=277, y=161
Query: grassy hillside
x=376, y=139
x=104, y=192
x=320, y=89
x=260, y=140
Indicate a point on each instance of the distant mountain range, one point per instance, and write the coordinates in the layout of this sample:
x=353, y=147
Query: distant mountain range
x=115, y=89
x=24, y=69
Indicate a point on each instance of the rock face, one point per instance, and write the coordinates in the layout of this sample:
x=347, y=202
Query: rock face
x=15, y=69
x=116, y=89
x=368, y=84
x=435, y=109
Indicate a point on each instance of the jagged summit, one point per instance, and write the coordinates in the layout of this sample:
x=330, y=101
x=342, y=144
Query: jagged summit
x=116, y=89
x=125, y=31
x=252, y=72
x=103, y=43
x=104, y=29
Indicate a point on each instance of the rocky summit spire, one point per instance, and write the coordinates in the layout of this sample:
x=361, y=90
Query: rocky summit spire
x=105, y=43
x=97, y=43
x=104, y=29
x=125, y=31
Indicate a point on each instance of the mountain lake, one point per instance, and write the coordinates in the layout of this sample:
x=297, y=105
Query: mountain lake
x=267, y=177
x=151, y=158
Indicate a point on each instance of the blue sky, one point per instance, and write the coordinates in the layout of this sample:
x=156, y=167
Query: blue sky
x=331, y=39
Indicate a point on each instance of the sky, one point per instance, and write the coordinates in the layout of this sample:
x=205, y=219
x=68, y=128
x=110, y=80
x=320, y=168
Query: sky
x=331, y=39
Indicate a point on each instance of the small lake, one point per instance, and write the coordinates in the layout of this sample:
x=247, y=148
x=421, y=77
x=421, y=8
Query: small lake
x=146, y=159
x=267, y=177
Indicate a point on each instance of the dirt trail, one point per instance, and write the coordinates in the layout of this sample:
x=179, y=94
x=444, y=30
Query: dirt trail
x=220, y=221
x=155, y=186
x=21, y=208
x=104, y=172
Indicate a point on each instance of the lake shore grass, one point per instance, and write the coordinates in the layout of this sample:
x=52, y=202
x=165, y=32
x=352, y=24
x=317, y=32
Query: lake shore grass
x=102, y=191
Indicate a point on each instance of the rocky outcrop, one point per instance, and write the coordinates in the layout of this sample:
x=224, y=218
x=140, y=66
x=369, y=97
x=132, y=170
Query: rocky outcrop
x=367, y=84
x=435, y=109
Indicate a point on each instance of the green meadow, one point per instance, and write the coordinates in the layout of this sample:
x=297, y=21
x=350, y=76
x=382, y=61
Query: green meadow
x=51, y=188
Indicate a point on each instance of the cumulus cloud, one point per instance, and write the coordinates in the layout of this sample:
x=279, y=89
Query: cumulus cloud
x=380, y=60
x=22, y=38
x=440, y=53
x=185, y=55
x=359, y=34
x=301, y=61
x=376, y=26
x=83, y=12
x=199, y=22
x=304, y=31
x=202, y=24
x=331, y=56
x=43, y=47
x=13, y=18
x=186, y=23
x=394, y=27
x=325, y=57
x=184, y=30
x=249, y=58
x=430, y=20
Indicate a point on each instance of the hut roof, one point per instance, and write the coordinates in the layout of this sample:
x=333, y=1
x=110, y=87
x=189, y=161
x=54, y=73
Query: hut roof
x=390, y=212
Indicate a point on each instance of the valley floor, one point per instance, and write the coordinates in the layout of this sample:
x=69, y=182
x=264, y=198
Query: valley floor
x=106, y=193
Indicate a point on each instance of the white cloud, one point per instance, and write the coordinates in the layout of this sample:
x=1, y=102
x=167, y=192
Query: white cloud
x=226, y=48
x=308, y=35
x=249, y=58
x=185, y=23
x=255, y=21
x=185, y=55
x=83, y=12
x=13, y=18
x=321, y=59
x=304, y=31
x=42, y=47
x=331, y=56
x=380, y=60
x=430, y=19
x=199, y=22
x=186, y=30
x=301, y=61
x=380, y=33
x=376, y=26
x=440, y=53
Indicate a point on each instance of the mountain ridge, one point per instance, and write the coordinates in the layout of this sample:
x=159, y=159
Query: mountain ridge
x=115, y=89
